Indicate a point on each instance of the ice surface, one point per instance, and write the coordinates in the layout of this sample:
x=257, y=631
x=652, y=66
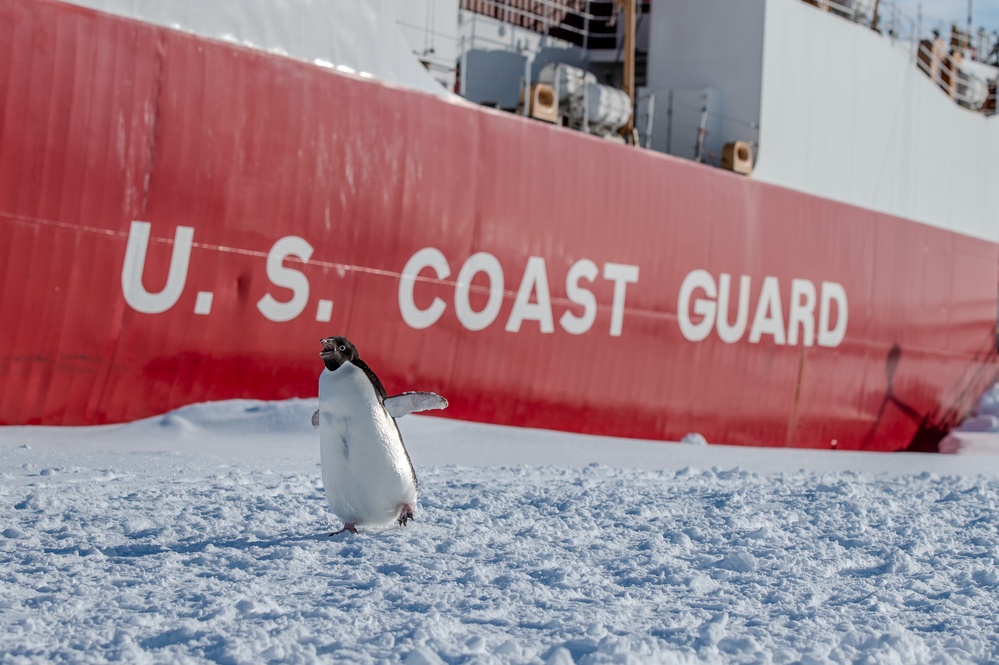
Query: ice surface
x=200, y=536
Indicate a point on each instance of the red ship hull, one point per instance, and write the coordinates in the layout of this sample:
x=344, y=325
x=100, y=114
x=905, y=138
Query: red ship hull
x=182, y=220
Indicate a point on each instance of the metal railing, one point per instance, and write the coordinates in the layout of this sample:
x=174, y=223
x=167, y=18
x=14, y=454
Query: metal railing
x=944, y=69
x=580, y=22
x=535, y=15
x=890, y=19
x=940, y=61
x=897, y=23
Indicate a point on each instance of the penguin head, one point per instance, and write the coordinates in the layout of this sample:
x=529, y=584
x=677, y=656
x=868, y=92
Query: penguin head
x=336, y=351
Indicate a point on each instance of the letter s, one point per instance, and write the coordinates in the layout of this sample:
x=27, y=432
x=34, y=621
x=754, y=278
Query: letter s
x=288, y=278
x=579, y=295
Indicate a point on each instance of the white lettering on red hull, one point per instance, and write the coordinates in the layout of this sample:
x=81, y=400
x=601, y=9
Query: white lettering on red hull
x=141, y=300
x=814, y=315
x=532, y=302
x=483, y=262
x=289, y=278
x=136, y=295
x=703, y=307
x=428, y=257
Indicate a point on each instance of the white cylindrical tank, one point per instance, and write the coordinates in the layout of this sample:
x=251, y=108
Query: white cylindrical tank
x=569, y=81
x=607, y=108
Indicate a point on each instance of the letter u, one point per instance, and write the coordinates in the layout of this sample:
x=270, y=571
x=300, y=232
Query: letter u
x=730, y=334
x=135, y=261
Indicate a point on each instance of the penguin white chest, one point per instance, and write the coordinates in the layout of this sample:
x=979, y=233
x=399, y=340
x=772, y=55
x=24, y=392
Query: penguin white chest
x=367, y=473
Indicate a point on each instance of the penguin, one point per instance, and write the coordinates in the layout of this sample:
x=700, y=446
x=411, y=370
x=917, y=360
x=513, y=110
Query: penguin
x=367, y=472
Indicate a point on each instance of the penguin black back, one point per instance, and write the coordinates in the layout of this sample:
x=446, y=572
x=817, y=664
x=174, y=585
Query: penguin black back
x=338, y=350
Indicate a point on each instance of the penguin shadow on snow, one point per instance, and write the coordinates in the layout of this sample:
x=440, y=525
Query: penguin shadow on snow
x=367, y=473
x=245, y=544
x=138, y=550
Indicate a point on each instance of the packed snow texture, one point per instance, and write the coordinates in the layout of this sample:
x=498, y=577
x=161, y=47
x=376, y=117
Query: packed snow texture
x=201, y=536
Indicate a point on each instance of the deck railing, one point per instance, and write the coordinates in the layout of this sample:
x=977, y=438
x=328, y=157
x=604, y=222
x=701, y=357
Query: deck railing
x=944, y=69
x=539, y=16
x=587, y=23
x=940, y=61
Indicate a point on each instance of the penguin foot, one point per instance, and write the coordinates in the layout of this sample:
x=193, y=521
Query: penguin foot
x=405, y=514
x=349, y=526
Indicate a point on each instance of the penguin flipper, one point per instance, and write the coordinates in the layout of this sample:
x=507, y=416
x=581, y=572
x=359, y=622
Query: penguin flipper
x=315, y=419
x=411, y=402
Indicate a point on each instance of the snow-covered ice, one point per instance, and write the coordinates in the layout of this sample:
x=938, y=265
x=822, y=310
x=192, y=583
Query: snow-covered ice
x=200, y=536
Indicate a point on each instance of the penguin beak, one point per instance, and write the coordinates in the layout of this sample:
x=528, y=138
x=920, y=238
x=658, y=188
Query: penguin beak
x=327, y=346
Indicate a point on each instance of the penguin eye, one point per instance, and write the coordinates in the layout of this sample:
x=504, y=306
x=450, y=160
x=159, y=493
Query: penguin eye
x=343, y=348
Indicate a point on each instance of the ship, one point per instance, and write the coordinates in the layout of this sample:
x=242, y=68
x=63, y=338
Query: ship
x=771, y=222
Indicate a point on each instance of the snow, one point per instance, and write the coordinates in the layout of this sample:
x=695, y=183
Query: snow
x=201, y=536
